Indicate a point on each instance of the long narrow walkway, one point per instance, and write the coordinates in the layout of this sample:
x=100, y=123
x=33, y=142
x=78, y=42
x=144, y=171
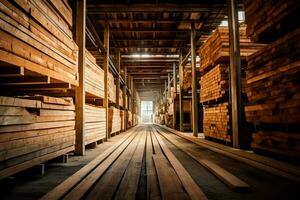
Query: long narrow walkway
x=151, y=163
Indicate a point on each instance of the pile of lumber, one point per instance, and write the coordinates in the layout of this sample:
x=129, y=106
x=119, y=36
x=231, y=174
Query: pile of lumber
x=215, y=84
x=122, y=119
x=268, y=20
x=273, y=92
x=34, y=129
x=112, y=88
x=129, y=119
x=36, y=36
x=94, y=77
x=114, y=120
x=187, y=79
x=216, y=122
x=121, y=102
x=95, y=123
x=216, y=49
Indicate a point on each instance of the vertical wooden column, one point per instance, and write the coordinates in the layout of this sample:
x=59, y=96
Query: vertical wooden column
x=132, y=100
x=180, y=93
x=175, y=93
x=80, y=90
x=235, y=72
x=194, y=81
x=106, y=67
x=125, y=98
x=118, y=56
x=169, y=85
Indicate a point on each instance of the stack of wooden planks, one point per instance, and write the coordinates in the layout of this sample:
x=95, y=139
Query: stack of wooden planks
x=34, y=129
x=187, y=79
x=129, y=119
x=268, y=20
x=95, y=123
x=36, y=36
x=215, y=84
x=215, y=50
x=216, y=122
x=121, y=102
x=111, y=88
x=273, y=92
x=94, y=77
x=114, y=120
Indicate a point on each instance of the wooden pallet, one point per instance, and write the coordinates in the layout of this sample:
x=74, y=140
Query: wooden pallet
x=36, y=40
x=36, y=128
x=269, y=20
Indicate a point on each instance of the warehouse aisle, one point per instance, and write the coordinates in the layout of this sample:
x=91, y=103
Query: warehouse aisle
x=151, y=163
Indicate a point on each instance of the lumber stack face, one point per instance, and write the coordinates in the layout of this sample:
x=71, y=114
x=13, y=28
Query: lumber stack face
x=129, y=119
x=187, y=79
x=121, y=102
x=115, y=120
x=216, y=49
x=94, y=77
x=112, y=88
x=215, y=84
x=273, y=92
x=36, y=36
x=216, y=122
x=95, y=123
x=34, y=130
x=268, y=20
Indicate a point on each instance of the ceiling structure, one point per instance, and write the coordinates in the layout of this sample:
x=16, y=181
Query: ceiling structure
x=151, y=34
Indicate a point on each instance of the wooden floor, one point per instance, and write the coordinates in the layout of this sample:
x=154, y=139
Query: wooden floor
x=149, y=162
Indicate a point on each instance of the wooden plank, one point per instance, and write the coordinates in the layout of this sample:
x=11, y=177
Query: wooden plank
x=59, y=191
x=107, y=187
x=130, y=181
x=229, y=179
x=153, y=191
x=189, y=184
x=170, y=185
x=106, y=74
x=20, y=167
x=269, y=165
x=80, y=189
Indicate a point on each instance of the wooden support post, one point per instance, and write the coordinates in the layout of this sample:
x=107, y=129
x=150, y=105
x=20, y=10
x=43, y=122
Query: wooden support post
x=180, y=93
x=175, y=93
x=169, y=85
x=235, y=72
x=80, y=90
x=132, y=101
x=194, y=81
x=118, y=80
x=125, y=98
x=106, y=67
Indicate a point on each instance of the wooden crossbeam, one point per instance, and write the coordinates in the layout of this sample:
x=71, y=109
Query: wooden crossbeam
x=162, y=21
x=11, y=71
x=158, y=7
x=10, y=80
x=51, y=86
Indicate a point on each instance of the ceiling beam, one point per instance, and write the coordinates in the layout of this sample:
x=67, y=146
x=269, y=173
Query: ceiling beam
x=158, y=7
x=161, y=21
